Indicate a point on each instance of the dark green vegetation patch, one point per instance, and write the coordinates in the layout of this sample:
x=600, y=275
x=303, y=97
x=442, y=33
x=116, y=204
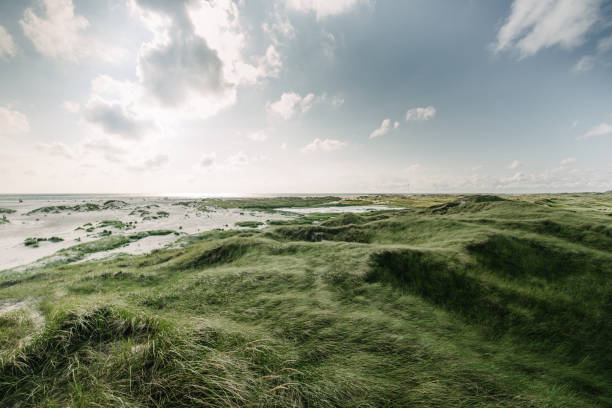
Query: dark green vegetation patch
x=33, y=242
x=249, y=224
x=455, y=301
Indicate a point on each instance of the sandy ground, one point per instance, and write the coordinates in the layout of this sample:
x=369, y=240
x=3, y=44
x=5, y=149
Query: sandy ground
x=182, y=219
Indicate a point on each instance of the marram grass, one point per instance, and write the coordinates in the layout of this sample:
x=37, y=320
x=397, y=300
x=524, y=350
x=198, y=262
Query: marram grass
x=453, y=302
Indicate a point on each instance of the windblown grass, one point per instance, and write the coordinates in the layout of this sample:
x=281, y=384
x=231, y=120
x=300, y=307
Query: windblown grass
x=468, y=302
x=249, y=224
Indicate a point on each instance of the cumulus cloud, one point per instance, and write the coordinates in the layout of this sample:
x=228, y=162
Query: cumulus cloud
x=324, y=145
x=237, y=160
x=208, y=160
x=13, y=122
x=431, y=179
x=323, y=8
x=195, y=61
x=114, y=107
x=385, y=127
x=155, y=163
x=58, y=33
x=600, y=130
x=534, y=25
x=515, y=164
x=55, y=149
x=567, y=160
x=70, y=106
x=421, y=113
x=270, y=64
x=191, y=68
x=178, y=67
x=116, y=119
x=259, y=136
x=278, y=27
x=337, y=101
x=7, y=45
x=106, y=148
x=291, y=103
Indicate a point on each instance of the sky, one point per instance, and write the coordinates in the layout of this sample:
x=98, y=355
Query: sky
x=305, y=96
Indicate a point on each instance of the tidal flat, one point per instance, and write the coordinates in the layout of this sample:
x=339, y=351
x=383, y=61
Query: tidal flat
x=425, y=300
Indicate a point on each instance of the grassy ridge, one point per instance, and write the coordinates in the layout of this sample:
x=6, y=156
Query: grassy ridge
x=470, y=301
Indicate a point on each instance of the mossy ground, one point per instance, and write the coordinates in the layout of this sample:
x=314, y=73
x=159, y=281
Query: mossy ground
x=453, y=302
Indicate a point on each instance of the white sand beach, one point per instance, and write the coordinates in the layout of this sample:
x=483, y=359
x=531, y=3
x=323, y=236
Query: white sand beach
x=137, y=214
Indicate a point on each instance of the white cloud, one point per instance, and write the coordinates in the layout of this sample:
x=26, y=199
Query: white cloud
x=385, y=127
x=337, y=101
x=192, y=66
x=323, y=8
x=567, y=160
x=59, y=33
x=117, y=109
x=600, y=130
x=13, y=122
x=605, y=44
x=271, y=64
x=588, y=62
x=157, y=162
x=178, y=68
x=237, y=160
x=278, y=28
x=328, y=44
x=534, y=25
x=258, y=136
x=421, y=113
x=326, y=145
x=113, y=107
x=291, y=103
x=574, y=124
x=585, y=64
x=515, y=164
x=55, y=149
x=115, y=119
x=108, y=150
x=70, y=106
x=208, y=160
x=7, y=45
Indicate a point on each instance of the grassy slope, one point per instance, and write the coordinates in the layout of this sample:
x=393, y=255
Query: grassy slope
x=455, y=301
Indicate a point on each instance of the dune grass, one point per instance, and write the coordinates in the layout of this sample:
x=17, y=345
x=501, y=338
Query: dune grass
x=249, y=224
x=484, y=302
x=33, y=242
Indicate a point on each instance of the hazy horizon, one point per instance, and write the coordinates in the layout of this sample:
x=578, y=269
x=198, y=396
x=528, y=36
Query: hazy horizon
x=305, y=97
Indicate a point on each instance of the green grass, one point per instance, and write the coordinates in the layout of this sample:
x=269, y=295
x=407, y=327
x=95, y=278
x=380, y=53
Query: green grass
x=249, y=224
x=117, y=224
x=33, y=242
x=6, y=211
x=56, y=209
x=260, y=204
x=470, y=301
